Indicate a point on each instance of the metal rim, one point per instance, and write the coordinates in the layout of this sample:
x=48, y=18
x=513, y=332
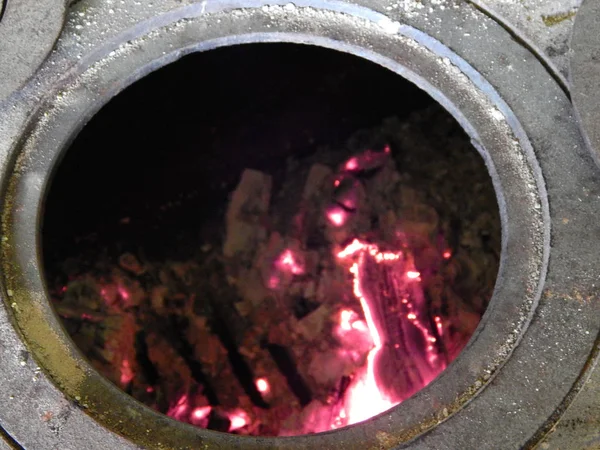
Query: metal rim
x=411, y=53
x=585, y=72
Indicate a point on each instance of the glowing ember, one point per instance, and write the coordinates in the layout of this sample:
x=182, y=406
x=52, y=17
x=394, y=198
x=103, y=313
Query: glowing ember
x=180, y=409
x=413, y=275
x=312, y=316
x=337, y=216
x=126, y=372
x=273, y=282
x=123, y=293
x=351, y=164
x=201, y=413
x=238, y=419
x=263, y=386
x=287, y=262
x=367, y=160
x=365, y=399
x=372, y=390
x=351, y=249
x=345, y=317
x=438, y=325
x=359, y=325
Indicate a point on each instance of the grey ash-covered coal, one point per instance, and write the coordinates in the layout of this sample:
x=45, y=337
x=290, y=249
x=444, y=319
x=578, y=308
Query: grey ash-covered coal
x=263, y=333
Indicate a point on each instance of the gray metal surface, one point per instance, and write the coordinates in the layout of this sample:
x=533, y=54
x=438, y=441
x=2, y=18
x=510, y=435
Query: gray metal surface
x=579, y=427
x=28, y=31
x=585, y=72
x=546, y=25
x=535, y=347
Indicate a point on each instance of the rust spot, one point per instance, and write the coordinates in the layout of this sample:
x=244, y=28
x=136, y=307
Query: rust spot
x=555, y=19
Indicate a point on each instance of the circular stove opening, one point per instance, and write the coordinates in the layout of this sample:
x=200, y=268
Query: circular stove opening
x=271, y=239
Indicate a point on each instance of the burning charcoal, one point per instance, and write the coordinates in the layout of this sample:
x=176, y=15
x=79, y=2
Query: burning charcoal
x=248, y=207
x=312, y=325
x=328, y=368
x=175, y=375
x=207, y=347
x=119, y=347
x=343, y=222
x=129, y=292
x=281, y=264
x=342, y=298
x=314, y=418
x=367, y=161
x=302, y=306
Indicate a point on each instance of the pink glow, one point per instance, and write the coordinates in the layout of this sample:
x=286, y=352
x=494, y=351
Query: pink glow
x=345, y=317
x=126, y=372
x=352, y=332
x=288, y=262
x=387, y=256
x=337, y=216
x=367, y=160
x=238, y=419
x=366, y=397
x=351, y=164
x=412, y=274
x=351, y=249
x=123, y=293
x=359, y=325
x=336, y=183
x=149, y=389
x=447, y=254
x=438, y=325
x=200, y=413
x=431, y=352
x=273, y=282
x=263, y=386
x=179, y=409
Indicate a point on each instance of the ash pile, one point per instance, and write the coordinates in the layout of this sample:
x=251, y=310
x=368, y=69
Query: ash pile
x=330, y=298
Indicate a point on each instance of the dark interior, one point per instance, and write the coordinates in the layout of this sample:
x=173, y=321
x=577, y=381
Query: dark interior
x=168, y=150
